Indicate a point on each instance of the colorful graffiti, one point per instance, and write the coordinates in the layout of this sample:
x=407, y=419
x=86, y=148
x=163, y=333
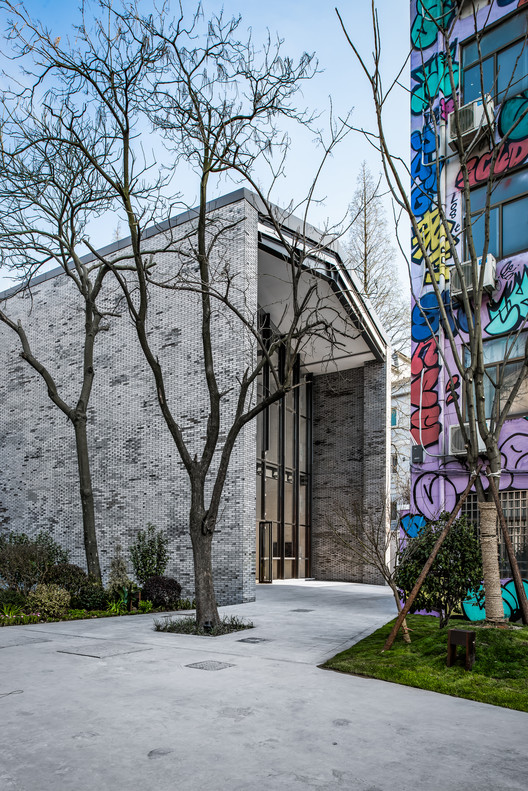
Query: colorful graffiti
x=432, y=233
x=423, y=170
x=474, y=609
x=425, y=369
x=511, y=154
x=513, y=117
x=430, y=16
x=412, y=524
x=510, y=310
x=432, y=78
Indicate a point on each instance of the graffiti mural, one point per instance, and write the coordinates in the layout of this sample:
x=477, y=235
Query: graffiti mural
x=509, y=312
x=425, y=414
x=433, y=235
x=430, y=15
x=511, y=154
x=437, y=482
x=432, y=79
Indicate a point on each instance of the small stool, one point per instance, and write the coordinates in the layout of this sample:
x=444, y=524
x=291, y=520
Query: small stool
x=464, y=637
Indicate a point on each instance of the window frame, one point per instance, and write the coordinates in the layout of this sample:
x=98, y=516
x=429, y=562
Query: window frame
x=513, y=90
x=500, y=204
x=513, y=414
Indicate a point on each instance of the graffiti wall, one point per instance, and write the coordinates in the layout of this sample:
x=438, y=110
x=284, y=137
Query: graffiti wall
x=437, y=481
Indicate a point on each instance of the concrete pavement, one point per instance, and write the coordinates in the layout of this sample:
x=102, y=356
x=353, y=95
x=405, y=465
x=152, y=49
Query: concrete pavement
x=111, y=704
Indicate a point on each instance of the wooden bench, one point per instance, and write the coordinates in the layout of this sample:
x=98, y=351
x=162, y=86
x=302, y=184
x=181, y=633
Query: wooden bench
x=463, y=637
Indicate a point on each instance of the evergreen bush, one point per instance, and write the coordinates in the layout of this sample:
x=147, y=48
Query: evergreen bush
x=51, y=601
x=149, y=553
x=162, y=591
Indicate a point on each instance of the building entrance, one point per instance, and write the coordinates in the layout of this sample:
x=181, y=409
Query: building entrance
x=284, y=485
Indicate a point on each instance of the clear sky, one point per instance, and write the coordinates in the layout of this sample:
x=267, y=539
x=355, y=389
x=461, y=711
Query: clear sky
x=313, y=27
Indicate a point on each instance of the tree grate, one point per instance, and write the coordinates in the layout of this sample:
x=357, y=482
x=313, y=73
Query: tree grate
x=210, y=664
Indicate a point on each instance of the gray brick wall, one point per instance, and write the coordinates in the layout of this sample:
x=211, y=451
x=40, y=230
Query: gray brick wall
x=349, y=464
x=137, y=474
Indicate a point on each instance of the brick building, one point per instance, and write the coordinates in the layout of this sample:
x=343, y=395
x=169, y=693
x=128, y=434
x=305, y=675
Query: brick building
x=325, y=444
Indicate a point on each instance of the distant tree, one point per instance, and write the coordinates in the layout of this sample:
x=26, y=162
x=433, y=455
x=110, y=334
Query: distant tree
x=372, y=257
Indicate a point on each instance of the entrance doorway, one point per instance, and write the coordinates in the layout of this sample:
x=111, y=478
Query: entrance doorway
x=284, y=485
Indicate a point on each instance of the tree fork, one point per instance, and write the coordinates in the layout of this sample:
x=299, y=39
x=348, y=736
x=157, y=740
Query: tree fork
x=419, y=582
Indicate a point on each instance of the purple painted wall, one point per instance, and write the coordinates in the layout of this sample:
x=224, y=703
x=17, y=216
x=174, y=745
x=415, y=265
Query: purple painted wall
x=436, y=482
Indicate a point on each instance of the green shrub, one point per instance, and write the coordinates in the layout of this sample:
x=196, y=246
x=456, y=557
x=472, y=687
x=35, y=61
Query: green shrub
x=145, y=606
x=162, y=591
x=118, y=577
x=8, y=596
x=22, y=566
x=456, y=569
x=149, y=553
x=91, y=597
x=25, y=562
x=69, y=576
x=51, y=601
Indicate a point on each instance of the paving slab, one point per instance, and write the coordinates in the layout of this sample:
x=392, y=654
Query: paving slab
x=269, y=719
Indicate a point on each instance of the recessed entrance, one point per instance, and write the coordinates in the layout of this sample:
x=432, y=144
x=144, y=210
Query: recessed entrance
x=284, y=483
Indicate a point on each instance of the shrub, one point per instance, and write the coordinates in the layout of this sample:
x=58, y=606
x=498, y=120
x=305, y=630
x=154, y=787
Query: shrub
x=456, y=569
x=51, y=601
x=149, y=554
x=25, y=562
x=22, y=566
x=91, y=597
x=118, y=577
x=162, y=591
x=8, y=596
x=69, y=576
x=145, y=606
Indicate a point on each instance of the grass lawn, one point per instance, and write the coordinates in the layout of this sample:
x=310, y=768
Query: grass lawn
x=499, y=675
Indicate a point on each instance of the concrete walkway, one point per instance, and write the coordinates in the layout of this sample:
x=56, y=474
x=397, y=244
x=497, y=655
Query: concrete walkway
x=112, y=705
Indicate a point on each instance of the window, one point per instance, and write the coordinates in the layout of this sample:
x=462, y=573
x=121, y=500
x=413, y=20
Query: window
x=394, y=462
x=503, y=58
x=514, y=505
x=508, y=229
x=394, y=416
x=495, y=352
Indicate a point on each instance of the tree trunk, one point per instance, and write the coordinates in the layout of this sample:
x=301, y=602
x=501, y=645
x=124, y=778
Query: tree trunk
x=206, y=608
x=87, y=500
x=490, y=562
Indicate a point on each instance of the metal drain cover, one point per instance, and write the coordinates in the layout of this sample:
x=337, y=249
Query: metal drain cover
x=254, y=640
x=302, y=610
x=210, y=664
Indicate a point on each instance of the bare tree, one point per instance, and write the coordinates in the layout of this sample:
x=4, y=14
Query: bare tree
x=215, y=102
x=457, y=341
x=47, y=197
x=372, y=257
x=365, y=537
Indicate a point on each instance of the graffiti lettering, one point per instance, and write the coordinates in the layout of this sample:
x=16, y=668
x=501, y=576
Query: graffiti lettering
x=431, y=15
x=432, y=78
x=447, y=106
x=427, y=313
x=436, y=245
x=511, y=154
x=513, y=117
x=425, y=425
x=423, y=170
x=511, y=308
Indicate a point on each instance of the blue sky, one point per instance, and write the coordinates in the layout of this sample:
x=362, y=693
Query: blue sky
x=314, y=27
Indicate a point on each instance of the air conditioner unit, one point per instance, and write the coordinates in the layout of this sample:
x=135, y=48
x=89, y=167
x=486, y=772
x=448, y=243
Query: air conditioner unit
x=472, y=120
x=457, y=446
x=490, y=269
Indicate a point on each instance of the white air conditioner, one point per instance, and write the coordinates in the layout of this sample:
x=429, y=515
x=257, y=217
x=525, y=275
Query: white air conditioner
x=472, y=120
x=490, y=269
x=456, y=441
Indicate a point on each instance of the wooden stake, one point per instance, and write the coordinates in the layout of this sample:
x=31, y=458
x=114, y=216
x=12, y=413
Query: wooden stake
x=423, y=574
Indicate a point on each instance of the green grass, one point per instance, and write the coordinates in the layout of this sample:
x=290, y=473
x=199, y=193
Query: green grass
x=499, y=675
